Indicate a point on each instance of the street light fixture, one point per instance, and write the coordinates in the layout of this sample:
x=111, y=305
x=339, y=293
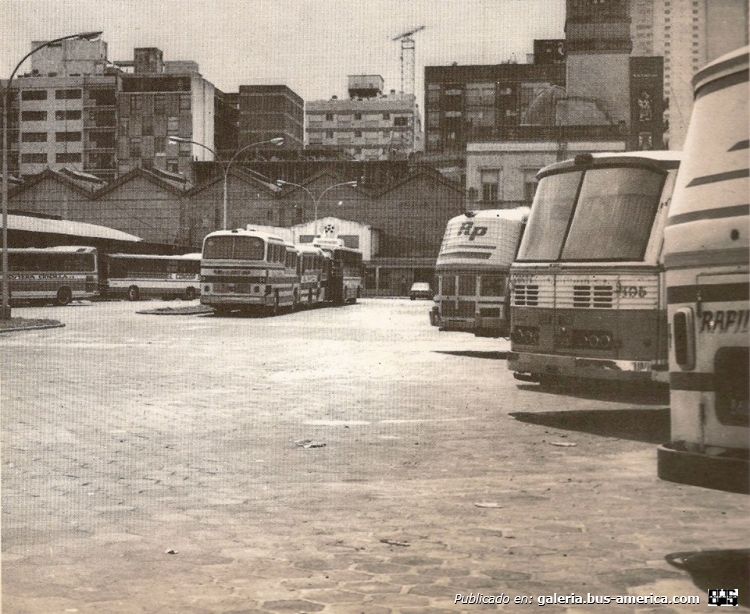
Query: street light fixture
x=278, y=141
x=88, y=36
x=282, y=183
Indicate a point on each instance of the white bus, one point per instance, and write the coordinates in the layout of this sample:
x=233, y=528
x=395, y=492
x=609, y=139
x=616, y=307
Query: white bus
x=707, y=259
x=587, y=285
x=346, y=275
x=137, y=276
x=248, y=269
x=62, y=274
x=472, y=271
x=314, y=269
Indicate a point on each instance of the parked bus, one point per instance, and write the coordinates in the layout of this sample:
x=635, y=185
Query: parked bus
x=472, y=271
x=139, y=276
x=247, y=269
x=314, y=271
x=345, y=280
x=62, y=274
x=587, y=286
x=707, y=261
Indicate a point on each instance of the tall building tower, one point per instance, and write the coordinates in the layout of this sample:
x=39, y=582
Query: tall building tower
x=688, y=34
x=270, y=111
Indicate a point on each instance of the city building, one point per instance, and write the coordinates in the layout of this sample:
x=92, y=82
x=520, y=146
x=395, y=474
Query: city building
x=688, y=34
x=270, y=111
x=160, y=100
x=369, y=125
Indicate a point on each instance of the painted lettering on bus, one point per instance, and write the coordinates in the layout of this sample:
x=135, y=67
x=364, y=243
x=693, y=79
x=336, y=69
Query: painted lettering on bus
x=471, y=231
x=725, y=321
x=22, y=276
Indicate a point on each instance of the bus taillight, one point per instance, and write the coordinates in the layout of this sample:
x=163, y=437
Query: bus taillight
x=684, y=338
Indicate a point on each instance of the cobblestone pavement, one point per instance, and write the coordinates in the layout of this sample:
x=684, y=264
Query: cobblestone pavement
x=176, y=464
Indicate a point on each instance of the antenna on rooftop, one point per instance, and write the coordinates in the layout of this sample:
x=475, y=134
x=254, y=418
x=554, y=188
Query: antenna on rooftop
x=407, y=60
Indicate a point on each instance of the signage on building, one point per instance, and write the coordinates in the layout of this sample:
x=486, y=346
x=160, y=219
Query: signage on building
x=646, y=103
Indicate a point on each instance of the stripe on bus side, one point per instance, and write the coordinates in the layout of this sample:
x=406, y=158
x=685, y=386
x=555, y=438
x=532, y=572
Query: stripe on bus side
x=696, y=382
x=708, y=293
x=709, y=214
x=718, y=177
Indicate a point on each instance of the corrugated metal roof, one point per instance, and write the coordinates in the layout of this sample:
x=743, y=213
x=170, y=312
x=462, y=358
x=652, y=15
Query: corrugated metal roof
x=65, y=227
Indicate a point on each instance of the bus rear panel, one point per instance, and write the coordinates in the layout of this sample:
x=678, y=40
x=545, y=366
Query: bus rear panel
x=587, y=294
x=472, y=271
x=707, y=260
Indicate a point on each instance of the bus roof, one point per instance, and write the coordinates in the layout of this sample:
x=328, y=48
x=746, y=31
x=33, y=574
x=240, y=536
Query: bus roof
x=241, y=232
x=661, y=159
x=517, y=213
x=724, y=66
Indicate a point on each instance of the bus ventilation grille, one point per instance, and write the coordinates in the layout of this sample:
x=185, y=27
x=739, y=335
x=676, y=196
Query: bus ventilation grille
x=526, y=295
x=592, y=296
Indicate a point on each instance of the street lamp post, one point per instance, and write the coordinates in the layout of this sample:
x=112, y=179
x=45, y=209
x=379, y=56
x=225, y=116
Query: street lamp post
x=281, y=183
x=5, y=311
x=278, y=141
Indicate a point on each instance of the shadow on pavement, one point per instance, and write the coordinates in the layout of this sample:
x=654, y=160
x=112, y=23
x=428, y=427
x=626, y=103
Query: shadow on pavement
x=475, y=354
x=716, y=569
x=645, y=425
x=649, y=394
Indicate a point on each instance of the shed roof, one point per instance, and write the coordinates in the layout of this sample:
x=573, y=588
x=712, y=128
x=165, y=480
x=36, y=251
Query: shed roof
x=66, y=227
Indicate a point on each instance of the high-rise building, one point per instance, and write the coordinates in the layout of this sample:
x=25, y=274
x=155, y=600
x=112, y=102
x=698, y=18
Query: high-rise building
x=369, y=125
x=688, y=34
x=270, y=111
x=155, y=104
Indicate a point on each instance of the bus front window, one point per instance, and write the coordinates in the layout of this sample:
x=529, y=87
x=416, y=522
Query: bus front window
x=218, y=247
x=553, y=203
x=614, y=215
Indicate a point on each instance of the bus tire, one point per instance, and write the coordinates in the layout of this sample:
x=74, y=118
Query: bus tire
x=190, y=293
x=133, y=293
x=275, y=308
x=295, y=304
x=64, y=296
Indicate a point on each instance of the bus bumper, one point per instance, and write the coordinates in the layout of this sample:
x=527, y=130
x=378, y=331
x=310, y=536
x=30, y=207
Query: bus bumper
x=490, y=327
x=728, y=471
x=461, y=324
x=236, y=301
x=537, y=366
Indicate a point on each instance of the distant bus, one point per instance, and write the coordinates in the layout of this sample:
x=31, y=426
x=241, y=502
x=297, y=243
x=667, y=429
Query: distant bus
x=707, y=259
x=61, y=274
x=314, y=269
x=248, y=269
x=137, y=276
x=345, y=280
x=472, y=271
x=587, y=285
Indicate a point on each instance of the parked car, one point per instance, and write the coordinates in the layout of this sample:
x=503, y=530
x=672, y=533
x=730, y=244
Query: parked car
x=420, y=289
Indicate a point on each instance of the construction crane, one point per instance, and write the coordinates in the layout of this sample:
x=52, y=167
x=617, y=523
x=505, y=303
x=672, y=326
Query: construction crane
x=407, y=60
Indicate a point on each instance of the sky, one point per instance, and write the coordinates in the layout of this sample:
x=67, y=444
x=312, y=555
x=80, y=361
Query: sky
x=309, y=45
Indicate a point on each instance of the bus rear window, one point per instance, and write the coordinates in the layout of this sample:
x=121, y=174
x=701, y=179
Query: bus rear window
x=553, y=203
x=614, y=215
x=235, y=248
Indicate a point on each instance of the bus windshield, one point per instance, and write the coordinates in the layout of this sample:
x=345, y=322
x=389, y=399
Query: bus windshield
x=608, y=218
x=234, y=248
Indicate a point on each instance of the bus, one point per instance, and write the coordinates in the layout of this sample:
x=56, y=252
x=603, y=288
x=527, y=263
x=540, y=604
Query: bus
x=587, y=285
x=472, y=271
x=707, y=260
x=314, y=270
x=137, y=276
x=345, y=280
x=249, y=270
x=60, y=274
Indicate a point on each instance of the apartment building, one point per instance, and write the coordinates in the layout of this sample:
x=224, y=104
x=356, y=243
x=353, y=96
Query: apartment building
x=270, y=111
x=688, y=34
x=369, y=125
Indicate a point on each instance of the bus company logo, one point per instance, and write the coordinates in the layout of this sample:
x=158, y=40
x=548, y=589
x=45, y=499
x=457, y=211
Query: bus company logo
x=468, y=229
x=725, y=321
x=723, y=596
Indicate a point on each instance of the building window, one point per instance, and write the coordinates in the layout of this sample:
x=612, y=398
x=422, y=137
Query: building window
x=160, y=104
x=358, y=116
x=329, y=117
x=490, y=180
x=34, y=137
x=184, y=103
x=400, y=121
x=358, y=134
x=160, y=144
x=147, y=126
x=329, y=134
x=34, y=95
x=68, y=114
x=135, y=148
x=67, y=137
x=185, y=149
x=386, y=116
x=173, y=124
x=68, y=157
x=136, y=103
x=173, y=166
x=34, y=158
x=529, y=185
x=71, y=94
x=33, y=116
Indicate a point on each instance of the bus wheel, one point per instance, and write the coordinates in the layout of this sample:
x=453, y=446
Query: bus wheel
x=133, y=293
x=64, y=296
x=275, y=308
x=190, y=294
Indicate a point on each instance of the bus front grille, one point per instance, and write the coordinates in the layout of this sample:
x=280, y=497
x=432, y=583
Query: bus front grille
x=526, y=295
x=592, y=296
